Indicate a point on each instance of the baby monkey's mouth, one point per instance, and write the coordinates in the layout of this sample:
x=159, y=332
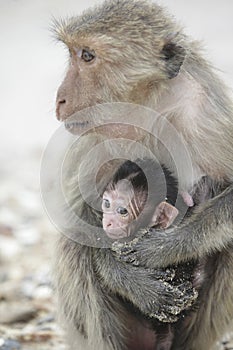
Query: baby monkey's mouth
x=117, y=233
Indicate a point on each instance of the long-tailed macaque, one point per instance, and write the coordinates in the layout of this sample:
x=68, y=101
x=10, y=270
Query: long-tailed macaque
x=133, y=51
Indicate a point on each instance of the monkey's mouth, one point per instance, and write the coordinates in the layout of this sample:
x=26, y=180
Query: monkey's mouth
x=117, y=233
x=73, y=126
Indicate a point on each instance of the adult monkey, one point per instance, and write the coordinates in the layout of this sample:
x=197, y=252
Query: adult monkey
x=132, y=51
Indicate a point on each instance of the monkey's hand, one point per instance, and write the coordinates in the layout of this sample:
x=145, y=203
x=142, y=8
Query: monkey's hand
x=162, y=294
x=144, y=250
x=207, y=230
x=158, y=248
x=128, y=251
x=166, y=302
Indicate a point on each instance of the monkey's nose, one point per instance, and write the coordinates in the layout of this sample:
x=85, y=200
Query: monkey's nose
x=108, y=225
x=60, y=106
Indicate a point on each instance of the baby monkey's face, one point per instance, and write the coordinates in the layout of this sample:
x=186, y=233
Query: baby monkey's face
x=122, y=206
x=119, y=210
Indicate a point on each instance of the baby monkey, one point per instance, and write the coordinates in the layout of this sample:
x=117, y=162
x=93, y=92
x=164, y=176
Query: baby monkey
x=141, y=194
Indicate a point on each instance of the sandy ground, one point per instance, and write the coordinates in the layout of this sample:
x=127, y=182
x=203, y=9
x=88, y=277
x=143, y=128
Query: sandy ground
x=31, y=69
x=27, y=311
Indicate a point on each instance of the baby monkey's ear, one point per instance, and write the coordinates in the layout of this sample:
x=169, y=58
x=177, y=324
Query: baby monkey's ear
x=164, y=215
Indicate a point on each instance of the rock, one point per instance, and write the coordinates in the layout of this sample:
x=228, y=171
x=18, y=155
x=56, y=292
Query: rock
x=47, y=319
x=8, y=344
x=9, y=248
x=6, y=230
x=43, y=293
x=8, y=215
x=27, y=235
x=27, y=287
x=14, y=312
x=9, y=291
x=36, y=336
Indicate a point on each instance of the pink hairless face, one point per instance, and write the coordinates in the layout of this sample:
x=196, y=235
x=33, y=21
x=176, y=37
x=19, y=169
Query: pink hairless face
x=120, y=208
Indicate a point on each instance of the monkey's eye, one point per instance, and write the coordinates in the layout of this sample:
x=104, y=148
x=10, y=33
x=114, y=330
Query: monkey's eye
x=122, y=211
x=106, y=203
x=87, y=56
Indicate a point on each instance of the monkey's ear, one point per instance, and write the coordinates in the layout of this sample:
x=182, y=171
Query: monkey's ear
x=174, y=56
x=164, y=215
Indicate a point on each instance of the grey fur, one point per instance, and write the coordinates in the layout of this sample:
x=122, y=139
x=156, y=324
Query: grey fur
x=131, y=40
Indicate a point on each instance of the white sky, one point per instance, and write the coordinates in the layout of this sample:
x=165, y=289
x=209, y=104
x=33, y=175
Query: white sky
x=32, y=64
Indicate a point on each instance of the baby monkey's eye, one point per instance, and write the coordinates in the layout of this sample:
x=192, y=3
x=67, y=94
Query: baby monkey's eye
x=106, y=203
x=87, y=56
x=122, y=211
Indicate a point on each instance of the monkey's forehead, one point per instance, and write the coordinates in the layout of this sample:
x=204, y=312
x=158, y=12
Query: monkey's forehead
x=116, y=17
x=120, y=193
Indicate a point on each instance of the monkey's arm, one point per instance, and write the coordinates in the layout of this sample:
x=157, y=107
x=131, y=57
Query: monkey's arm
x=148, y=290
x=209, y=229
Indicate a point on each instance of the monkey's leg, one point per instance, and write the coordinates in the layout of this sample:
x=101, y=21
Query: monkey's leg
x=110, y=334
x=153, y=297
x=164, y=336
x=209, y=229
x=93, y=319
x=214, y=316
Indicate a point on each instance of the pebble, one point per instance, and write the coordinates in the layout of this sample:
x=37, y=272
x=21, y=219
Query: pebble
x=27, y=235
x=47, y=319
x=14, y=312
x=8, y=215
x=43, y=292
x=6, y=230
x=8, y=344
x=9, y=248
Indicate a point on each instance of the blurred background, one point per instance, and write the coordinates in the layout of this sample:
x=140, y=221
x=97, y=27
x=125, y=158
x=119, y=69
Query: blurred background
x=32, y=67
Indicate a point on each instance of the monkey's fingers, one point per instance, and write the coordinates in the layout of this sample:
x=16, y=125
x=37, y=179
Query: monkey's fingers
x=163, y=317
x=186, y=298
x=167, y=302
x=154, y=250
x=131, y=258
x=123, y=248
x=165, y=274
x=126, y=252
x=172, y=308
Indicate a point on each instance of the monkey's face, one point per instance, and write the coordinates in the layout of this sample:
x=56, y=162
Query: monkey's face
x=118, y=210
x=80, y=87
x=117, y=54
x=97, y=74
